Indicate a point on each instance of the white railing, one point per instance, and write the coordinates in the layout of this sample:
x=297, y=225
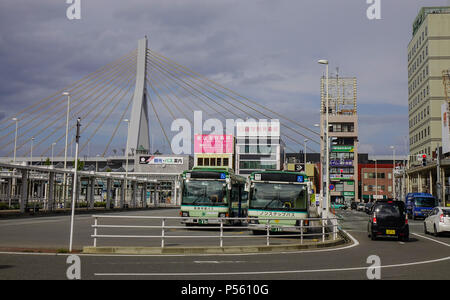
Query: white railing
x=323, y=226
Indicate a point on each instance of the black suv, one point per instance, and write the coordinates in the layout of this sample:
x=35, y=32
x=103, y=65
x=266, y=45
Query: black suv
x=388, y=218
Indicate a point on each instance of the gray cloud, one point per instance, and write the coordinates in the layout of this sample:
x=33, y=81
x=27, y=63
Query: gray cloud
x=265, y=50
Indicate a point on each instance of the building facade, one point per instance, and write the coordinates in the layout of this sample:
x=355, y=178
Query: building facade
x=428, y=57
x=214, y=150
x=343, y=137
x=258, y=147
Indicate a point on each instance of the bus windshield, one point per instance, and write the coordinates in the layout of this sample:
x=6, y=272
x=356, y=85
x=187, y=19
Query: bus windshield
x=290, y=197
x=424, y=202
x=204, y=192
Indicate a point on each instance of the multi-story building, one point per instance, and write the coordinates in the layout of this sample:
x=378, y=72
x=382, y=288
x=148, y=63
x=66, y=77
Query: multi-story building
x=428, y=56
x=343, y=133
x=376, y=179
x=258, y=147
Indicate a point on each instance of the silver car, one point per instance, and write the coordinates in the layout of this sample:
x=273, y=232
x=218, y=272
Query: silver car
x=438, y=221
x=361, y=206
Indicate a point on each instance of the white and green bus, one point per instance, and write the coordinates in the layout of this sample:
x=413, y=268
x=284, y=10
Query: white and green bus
x=278, y=198
x=212, y=193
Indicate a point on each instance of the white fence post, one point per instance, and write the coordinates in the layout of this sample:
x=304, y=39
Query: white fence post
x=95, y=231
x=162, y=232
x=221, y=233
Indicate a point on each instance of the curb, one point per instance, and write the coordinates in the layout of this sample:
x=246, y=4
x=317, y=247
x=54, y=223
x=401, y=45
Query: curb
x=342, y=240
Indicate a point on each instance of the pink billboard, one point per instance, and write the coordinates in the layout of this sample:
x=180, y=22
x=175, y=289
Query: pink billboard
x=213, y=143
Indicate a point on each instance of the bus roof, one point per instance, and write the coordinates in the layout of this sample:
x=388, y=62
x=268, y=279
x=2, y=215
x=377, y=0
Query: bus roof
x=206, y=172
x=419, y=195
x=283, y=176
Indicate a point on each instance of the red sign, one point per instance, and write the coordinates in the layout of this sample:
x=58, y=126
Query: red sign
x=213, y=143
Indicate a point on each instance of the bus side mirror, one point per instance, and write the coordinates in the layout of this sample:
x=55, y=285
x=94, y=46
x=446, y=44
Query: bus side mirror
x=246, y=187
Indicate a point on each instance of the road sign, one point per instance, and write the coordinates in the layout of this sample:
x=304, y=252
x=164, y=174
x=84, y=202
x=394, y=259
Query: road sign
x=331, y=187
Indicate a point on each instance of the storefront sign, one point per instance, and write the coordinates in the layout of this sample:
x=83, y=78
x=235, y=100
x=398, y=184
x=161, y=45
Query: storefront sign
x=341, y=162
x=213, y=144
x=341, y=176
x=160, y=160
x=342, y=149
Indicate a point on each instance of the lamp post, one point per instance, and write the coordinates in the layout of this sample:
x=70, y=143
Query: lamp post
x=393, y=171
x=126, y=154
x=326, y=140
x=31, y=152
x=15, y=138
x=74, y=191
x=65, y=190
x=304, y=155
x=53, y=145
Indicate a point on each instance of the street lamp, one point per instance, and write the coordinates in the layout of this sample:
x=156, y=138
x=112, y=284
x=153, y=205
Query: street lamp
x=31, y=152
x=393, y=171
x=304, y=155
x=126, y=153
x=325, y=62
x=65, y=190
x=15, y=138
x=53, y=145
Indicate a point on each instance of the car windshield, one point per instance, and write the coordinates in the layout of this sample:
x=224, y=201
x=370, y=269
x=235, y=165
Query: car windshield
x=288, y=197
x=389, y=209
x=424, y=202
x=204, y=192
x=446, y=212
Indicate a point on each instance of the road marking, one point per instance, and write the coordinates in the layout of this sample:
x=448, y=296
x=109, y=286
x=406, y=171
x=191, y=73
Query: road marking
x=428, y=238
x=275, y=272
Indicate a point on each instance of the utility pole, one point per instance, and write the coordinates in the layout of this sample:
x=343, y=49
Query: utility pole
x=74, y=191
x=438, y=176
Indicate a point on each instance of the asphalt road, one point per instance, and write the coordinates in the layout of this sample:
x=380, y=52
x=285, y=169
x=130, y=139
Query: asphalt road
x=423, y=257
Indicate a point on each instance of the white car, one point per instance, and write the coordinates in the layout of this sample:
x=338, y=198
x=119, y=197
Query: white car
x=438, y=221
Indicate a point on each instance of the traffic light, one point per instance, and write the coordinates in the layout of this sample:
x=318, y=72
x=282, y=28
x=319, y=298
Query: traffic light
x=424, y=160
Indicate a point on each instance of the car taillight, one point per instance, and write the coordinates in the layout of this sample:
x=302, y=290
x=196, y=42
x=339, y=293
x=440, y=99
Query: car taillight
x=441, y=218
x=406, y=220
x=374, y=220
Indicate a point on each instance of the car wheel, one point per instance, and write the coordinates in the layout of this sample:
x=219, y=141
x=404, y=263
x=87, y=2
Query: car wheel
x=373, y=236
x=435, y=233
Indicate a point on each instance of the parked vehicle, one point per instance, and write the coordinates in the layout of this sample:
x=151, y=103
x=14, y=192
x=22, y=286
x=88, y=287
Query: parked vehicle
x=339, y=205
x=368, y=207
x=354, y=205
x=388, y=219
x=438, y=221
x=419, y=205
x=361, y=206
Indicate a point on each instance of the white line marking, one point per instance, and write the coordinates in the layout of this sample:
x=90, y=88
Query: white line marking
x=274, y=272
x=428, y=238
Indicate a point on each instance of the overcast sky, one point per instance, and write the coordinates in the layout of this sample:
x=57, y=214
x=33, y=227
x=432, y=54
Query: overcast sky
x=264, y=49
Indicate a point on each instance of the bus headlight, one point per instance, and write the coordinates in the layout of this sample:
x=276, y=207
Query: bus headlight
x=185, y=214
x=223, y=215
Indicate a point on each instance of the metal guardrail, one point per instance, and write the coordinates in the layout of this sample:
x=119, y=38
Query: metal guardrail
x=328, y=227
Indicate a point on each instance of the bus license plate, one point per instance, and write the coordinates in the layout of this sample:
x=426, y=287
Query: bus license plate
x=390, y=232
x=202, y=221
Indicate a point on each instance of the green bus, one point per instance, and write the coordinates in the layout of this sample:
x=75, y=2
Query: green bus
x=278, y=198
x=212, y=193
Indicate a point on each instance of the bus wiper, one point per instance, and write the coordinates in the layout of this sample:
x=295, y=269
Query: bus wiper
x=267, y=205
